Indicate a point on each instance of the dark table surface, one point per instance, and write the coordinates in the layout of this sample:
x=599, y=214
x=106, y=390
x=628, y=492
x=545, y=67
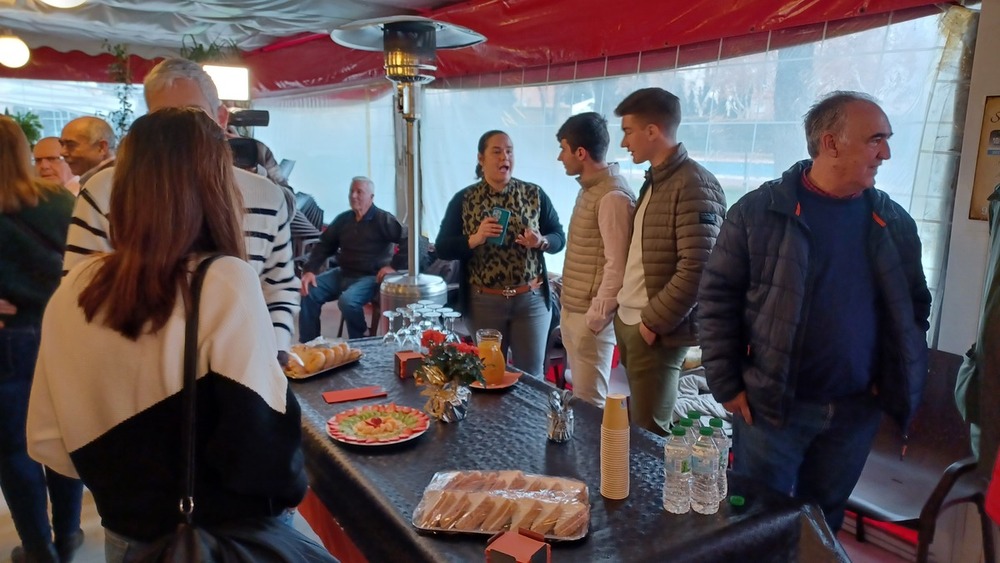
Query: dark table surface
x=372, y=491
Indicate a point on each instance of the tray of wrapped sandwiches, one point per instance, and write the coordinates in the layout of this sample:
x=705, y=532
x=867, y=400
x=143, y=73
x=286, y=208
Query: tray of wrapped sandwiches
x=487, y=502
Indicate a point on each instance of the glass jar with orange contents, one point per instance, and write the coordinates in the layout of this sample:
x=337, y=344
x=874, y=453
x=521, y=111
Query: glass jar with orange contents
x=488, y=340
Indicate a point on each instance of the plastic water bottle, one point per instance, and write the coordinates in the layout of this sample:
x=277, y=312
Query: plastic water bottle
x=689, y=432
x=723, y=443
x=677, y=473
x=695, y=417
x=705, y=474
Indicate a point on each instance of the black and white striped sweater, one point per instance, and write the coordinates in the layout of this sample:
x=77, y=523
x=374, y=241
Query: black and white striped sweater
x=266, y=228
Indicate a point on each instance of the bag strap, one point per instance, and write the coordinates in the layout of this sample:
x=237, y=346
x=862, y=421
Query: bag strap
x=190, y=375
x=35, y=234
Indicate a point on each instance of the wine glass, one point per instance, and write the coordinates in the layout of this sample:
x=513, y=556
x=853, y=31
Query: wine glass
x=450, y=335
x=391, y=337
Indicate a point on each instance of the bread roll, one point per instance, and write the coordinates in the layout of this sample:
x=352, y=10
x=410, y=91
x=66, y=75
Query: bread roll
x=314, y=359
x=331, y=358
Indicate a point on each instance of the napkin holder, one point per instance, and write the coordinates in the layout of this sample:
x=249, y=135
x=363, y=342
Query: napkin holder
x=407, y=362
x=522, y=546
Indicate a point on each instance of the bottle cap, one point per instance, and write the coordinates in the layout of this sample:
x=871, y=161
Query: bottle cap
x=678, y=431
x=686, y=422
x=737, y=500
x=694, y=415
x=715, y=423
x=706, y=431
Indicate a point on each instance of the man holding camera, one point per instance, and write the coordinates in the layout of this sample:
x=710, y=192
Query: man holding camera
x=182, y=83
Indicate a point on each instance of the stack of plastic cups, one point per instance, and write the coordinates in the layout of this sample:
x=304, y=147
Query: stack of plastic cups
x=614, y=448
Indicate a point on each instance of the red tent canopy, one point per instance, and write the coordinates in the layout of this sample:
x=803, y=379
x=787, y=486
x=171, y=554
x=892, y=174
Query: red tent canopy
x=528, y=40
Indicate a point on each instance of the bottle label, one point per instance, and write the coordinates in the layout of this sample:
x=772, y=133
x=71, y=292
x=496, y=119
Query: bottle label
x=679, y=465
x=703, y=466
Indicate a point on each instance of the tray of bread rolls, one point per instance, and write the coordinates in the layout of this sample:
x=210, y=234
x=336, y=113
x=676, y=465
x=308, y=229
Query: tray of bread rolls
x=487, y=502
x=319, y=356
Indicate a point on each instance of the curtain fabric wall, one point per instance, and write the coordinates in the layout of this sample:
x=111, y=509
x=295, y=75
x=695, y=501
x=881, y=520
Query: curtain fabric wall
x=742, y=105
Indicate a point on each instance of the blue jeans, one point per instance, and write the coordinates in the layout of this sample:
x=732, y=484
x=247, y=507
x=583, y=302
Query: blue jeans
x=351, y=293
x=121, y=549
x=816, y=456
x=524, y=321
x=23, y=480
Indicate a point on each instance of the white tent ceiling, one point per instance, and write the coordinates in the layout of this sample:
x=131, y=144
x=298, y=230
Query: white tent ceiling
x=153, y=28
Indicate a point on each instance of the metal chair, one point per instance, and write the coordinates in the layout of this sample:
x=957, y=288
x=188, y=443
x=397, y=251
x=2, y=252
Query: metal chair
x=911, y=483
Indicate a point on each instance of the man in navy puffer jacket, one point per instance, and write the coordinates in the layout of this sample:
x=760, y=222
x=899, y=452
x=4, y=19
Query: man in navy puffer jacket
x=814, y=311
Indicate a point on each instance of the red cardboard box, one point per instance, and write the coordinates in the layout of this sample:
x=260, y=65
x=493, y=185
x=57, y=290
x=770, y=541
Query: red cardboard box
x=407, y=362
x=522, y=546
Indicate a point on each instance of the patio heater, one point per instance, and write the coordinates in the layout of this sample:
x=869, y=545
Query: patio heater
x=409, y=44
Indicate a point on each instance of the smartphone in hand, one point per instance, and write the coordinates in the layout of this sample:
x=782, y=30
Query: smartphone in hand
x=503, y=217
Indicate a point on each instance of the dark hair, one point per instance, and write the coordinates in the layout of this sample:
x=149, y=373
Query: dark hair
x=828, y=115
x=588, y=130
x=160, y=215
x=653, y=105
x=482, y=147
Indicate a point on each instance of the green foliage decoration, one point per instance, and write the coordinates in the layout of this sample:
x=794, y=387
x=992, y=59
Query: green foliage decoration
x=120, y=73
x=29, y=122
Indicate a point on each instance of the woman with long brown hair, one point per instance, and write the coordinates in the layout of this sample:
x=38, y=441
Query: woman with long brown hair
x=34, y=216
x=106, y=403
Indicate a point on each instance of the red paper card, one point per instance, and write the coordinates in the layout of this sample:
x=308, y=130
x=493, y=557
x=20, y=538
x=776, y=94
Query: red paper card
x=353, y=394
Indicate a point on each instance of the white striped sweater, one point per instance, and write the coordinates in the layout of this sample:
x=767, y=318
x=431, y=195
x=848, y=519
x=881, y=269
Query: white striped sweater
x=266, y=228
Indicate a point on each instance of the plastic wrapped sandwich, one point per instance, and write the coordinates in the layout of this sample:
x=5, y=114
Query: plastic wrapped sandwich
x=487, y=502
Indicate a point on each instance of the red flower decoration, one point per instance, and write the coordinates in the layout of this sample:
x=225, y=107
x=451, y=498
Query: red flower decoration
x=431, y=338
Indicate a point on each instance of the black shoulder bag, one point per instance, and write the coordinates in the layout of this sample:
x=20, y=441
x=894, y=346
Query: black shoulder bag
x=250, y=540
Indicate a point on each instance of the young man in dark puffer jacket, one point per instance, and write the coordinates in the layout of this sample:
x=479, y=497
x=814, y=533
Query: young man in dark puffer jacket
x=814, y=311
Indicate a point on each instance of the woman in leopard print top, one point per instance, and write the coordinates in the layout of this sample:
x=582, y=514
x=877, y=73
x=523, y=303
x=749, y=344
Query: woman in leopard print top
x=503, y=269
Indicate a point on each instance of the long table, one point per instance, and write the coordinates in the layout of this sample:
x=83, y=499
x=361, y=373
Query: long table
x=372, y=490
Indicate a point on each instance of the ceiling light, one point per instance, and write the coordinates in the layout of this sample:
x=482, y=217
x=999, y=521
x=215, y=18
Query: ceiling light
x=233, y=82
x=63, y=3
x=14, y=52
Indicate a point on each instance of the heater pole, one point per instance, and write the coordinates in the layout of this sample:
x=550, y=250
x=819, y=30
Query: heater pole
x=406, y=104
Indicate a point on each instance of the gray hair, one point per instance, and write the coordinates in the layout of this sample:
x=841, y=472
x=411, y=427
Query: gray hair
x=98, y=130
x=828, y=115
x=364, y=180
x=168, y=70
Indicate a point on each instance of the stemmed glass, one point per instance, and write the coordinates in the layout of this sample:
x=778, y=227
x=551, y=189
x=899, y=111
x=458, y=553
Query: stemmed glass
x=450, y=335
x=433, y=319
x=411, y=341
x=391, y=338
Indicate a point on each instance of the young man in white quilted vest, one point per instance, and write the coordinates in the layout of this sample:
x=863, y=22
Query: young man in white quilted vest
x=596, y=250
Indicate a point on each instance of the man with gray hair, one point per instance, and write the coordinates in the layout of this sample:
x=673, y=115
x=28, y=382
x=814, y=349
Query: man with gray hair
x=363, y=240
x=182, y=83
x=814, y=311
x=88, y=146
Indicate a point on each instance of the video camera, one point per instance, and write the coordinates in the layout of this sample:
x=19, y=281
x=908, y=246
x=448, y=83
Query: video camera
x=239, y=117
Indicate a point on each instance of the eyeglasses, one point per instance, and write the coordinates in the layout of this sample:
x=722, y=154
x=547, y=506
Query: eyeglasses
x=51, y=159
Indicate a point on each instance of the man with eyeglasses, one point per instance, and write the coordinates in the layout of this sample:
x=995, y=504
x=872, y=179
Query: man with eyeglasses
x=88, y=146
x=49, y=164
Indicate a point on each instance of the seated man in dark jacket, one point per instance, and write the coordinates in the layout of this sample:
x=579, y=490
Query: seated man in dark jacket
x=813, y=311
x=363, y=241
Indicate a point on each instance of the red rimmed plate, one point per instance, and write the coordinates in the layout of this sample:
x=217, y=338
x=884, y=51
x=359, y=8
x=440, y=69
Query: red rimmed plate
x=377, y=425
x=509, y=379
